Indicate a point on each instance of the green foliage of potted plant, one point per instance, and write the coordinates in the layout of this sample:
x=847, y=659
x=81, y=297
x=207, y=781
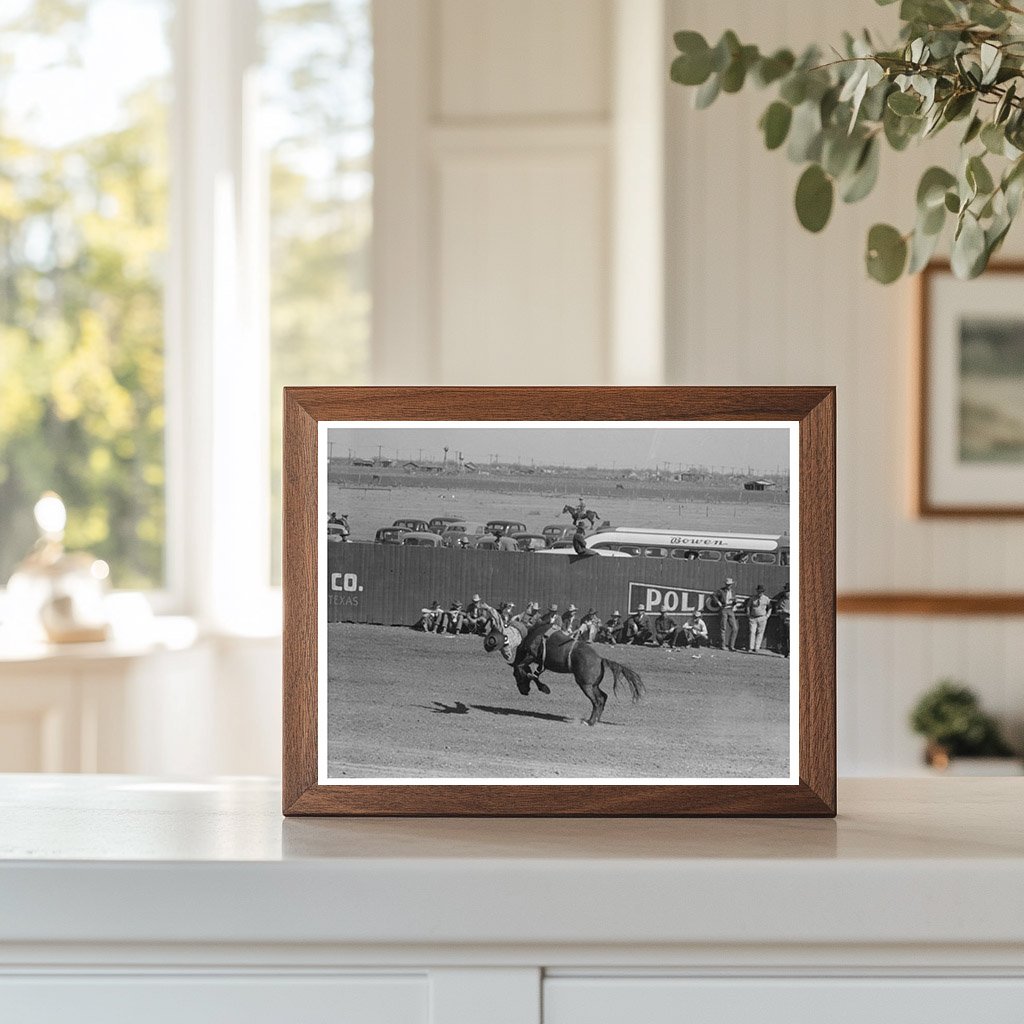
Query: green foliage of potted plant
x=950, y=717
x=957, y=62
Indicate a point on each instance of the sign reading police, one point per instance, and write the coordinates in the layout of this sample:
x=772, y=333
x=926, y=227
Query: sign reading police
x=671, y=600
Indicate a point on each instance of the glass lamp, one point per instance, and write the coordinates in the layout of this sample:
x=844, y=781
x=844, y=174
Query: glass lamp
x=54, y=595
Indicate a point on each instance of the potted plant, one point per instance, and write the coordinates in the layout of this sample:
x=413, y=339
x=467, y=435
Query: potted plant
x=956, y=62
x=950, y=717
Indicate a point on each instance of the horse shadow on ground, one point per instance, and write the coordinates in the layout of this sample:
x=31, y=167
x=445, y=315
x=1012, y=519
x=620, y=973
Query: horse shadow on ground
x=458, y=708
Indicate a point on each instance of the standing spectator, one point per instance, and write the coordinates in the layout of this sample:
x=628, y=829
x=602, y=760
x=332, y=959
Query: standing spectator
x=724, y=600
x=758, y=609
x=505, y=612
x=637, y=630
x=780, y=605
x=507, y=543
x=664, y=630
x=569, y=618
x=695, y=632
x=609, y=632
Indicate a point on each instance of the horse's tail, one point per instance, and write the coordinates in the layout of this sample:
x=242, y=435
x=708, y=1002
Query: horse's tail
x=633, y=680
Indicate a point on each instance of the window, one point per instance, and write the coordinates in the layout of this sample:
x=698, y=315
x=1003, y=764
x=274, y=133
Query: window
x=763, y=557
x=687, y=554
x=656, y=552
x=317, y=126
x=709, y=555
x=83, y=238
x=227, y=149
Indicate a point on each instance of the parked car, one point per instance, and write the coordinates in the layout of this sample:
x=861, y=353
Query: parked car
x=441, y=523
x=412, y=525
x=419, y=539
x=461, y=531
x=530, y=541
x=389, y=535
x=500, y=526
x=555, y=532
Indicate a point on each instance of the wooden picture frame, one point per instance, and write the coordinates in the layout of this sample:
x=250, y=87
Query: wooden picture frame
x=807, y=412
x=947, y=484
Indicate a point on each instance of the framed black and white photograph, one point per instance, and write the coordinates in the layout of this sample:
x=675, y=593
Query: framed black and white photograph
x=971, y=393
x=557, y=613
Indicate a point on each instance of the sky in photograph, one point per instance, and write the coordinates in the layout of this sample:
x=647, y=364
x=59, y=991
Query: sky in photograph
x=754, y=450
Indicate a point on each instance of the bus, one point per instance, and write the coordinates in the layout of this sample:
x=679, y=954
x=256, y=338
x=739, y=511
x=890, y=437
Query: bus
x=693, y=545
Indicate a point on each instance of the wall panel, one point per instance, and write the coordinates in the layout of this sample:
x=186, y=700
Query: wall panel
x=530, y=58
x=522, y=278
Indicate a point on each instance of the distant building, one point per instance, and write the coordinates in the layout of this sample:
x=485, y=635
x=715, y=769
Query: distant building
x=362, y=462
x=758, y=485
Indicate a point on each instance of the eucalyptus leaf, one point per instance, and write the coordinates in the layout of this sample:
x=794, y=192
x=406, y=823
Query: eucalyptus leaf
x=886, y=253
x=991, y=60
x=904, y=103
x=771, y=69
x=735, y=74
x=922, y=248
x=707, y=93
x=805, y=133
x=1005, y=105
x=814, y=196
x=794, y=88
x=724, y=51
x=987, y=15
x=973, y=130
x=932, y=221
x=993, y=138
x=952, y=202
x=865, y=173
x=931, y=190
x=968, y=247
x=775, y=124
x=978, y=176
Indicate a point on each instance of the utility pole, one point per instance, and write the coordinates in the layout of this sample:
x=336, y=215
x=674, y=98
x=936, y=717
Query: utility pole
x=380, y=449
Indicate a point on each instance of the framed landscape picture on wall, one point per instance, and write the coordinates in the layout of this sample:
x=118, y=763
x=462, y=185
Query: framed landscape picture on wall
x=559, y=601
x=970, y=451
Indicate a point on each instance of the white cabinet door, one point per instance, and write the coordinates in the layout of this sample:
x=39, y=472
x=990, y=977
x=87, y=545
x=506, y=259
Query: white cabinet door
x=202, y=999
x=782, y=1000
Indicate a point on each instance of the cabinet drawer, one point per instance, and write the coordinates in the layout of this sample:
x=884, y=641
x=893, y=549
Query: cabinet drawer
x=202, y=999
x=659, y=1000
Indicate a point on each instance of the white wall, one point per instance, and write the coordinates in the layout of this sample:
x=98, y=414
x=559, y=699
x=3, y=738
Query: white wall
x=754, y=299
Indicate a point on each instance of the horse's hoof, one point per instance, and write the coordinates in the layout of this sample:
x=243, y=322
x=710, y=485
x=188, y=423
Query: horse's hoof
x=543, y=687
x=524, y=688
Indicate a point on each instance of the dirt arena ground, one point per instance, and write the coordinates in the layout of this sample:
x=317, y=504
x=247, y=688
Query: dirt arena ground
x=403, y=704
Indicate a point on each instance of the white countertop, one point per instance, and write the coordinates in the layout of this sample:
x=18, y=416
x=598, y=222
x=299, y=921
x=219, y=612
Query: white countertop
x=120, y=859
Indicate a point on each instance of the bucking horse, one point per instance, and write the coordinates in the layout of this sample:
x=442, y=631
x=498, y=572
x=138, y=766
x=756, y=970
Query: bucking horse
x=581, y=515
x=529, y=652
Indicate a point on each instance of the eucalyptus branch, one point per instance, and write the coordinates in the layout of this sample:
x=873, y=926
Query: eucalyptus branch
x=833, y=118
